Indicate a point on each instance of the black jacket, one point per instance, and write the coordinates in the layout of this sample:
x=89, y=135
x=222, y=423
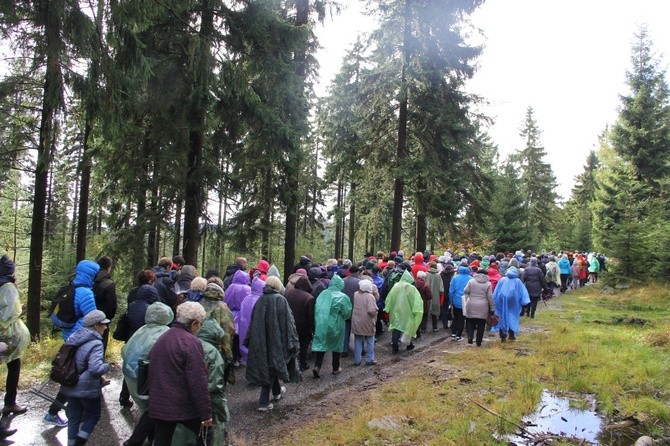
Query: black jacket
x=533, y=278
x=104, y=290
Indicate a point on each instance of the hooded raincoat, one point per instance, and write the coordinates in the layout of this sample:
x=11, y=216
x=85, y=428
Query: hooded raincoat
x=434, y=281
x=457, y=286
x=235, y=294
x=210, y=336
x=12, y=329
x=272, y=339
x=246, y=309
x=510, y=295
x=157, y=318
x=404, y=306
x=332, y=308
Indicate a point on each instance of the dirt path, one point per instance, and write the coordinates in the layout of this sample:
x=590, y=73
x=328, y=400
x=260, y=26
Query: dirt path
x=311, y=399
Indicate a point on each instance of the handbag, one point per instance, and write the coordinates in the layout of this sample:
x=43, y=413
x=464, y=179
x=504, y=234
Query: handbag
x=122, y=330
x=143, y=377
x=492, y=321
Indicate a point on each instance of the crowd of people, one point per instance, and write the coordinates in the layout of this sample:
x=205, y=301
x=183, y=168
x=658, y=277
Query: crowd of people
x=190, y=333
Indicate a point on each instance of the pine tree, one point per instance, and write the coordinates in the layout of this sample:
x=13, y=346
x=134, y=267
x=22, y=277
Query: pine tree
x=537, y=182
x=641, y=134
x=508, y=228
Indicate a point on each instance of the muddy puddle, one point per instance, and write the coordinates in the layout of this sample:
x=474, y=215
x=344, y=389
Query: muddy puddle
x=555, y=417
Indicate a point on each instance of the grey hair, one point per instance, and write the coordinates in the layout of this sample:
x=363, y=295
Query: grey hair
x=188, y=270
x=275, y=283
x=533, y=261
x=189, y=312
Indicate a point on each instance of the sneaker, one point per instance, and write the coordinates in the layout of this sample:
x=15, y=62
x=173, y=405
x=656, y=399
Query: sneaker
x=270, y=406
x=435, y=330
x=373, y=362
x=337, y=371
x=453, y=336
x=281, y=394
x=410, y=347
x=316, y=372
x=127, y=404
x=458, y=338
x=236, y=364
x=55, y=420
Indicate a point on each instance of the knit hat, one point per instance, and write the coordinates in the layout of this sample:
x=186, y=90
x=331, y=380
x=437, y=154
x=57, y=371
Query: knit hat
x=213, y=291
x=346, y=263
x=7, y=267
x=95, y=317
x=421, y=274
x=365, y=286
x=301, y=271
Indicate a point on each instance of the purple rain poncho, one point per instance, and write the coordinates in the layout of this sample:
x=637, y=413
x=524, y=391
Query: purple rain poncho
x=235, y=294
x=246, y=309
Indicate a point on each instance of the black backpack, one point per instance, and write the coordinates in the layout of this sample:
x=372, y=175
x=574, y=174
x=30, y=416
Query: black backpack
x=61, y=311
x=64, y=366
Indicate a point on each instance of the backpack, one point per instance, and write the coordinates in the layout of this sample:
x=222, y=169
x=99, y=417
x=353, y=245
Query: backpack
x=64, y=366
x=62, y=311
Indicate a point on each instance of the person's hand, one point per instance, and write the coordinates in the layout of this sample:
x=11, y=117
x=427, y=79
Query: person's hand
x=3, y=347
x=207, y=423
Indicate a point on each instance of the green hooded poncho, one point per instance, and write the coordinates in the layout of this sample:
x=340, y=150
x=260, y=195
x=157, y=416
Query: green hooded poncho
x=332, y=308
x=211, y=335
x=404, y=306
x=157, y=318
x=12, y=329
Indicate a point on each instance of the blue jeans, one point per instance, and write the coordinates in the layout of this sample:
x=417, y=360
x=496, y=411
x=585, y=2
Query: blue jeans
x=82, y=416
x=264, y=399
x=358, y=348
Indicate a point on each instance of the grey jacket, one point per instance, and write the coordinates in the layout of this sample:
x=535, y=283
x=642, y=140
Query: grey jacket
x=479, y=295
x=90, y=364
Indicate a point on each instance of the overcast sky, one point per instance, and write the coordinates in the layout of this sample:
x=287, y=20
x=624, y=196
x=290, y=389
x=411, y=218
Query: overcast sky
x=566, y=59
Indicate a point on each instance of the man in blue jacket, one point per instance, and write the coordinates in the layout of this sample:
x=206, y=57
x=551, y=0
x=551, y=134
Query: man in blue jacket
x=456, y=291
x=84, y=303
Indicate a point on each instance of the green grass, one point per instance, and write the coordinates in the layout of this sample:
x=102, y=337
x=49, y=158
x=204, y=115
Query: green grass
x=575, y=348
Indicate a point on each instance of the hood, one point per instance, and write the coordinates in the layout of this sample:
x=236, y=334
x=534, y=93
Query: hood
x=336, y=283
x=407, y=277
x=492, y=272
x=188, y=271
x=463, y=269
x=304, y=261
x=147, y=292
x=211, y=332
x=257, y=286
x=85, y=273
x=263, y=266
x=230, y=269
x=448, y=269
x=512, y=273
x=314, y=274
x=240, y=277
x=83, y=335
x=418, y=259
x=303, y=284
x=101, y=276
x=482, y=277
x=273, y=271
x=159, y=314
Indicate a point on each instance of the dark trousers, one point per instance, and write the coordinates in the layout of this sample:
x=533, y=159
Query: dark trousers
x=424, y=321
x=564, y=282
x=12, y=383
x=105, y=340
x=265, y=391
x=478, y=326
x=144, y=429
x=445, y=315
x=164, y=430
x=58, y=404
x=347, y=335
x=459, y=322
x=433, y=319
x=533, y=305
x=395, y=338
x=379, y=327
x=237, y=355
x=304, y=346
x=124, y=396
x=318, y=362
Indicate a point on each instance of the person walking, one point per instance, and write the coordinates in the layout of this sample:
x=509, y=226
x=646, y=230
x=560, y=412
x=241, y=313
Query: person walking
x=533, y=279
x=564, y=270
x=363, y=318
x=302, y=302
x=14, y=335
x=84, y=405
x=104, y=292
x=405, y=308
x=157, y=318
x=273, y=342
x=178, y=388
x=456, y=291
x=479, y=296
x=332, y=308
x=509, y=297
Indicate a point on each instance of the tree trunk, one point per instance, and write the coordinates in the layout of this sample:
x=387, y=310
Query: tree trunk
x=401, y=152
x=421, y=222
x=293, y=166
x=338, y=220
x=267, y=218
x=198, y=108
x=352, y=221
x=52, y=100
x=84, y=191
x=176, y=245
x=75, y=206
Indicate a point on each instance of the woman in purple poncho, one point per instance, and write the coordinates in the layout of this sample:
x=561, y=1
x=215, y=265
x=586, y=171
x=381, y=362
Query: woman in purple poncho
x=235, y=294
x=246, y=308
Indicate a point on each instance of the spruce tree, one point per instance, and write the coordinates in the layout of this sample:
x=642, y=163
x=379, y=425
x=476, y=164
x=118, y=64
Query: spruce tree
x=641, y=134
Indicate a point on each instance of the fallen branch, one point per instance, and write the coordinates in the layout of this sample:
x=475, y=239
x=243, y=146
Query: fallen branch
x=522, y=428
